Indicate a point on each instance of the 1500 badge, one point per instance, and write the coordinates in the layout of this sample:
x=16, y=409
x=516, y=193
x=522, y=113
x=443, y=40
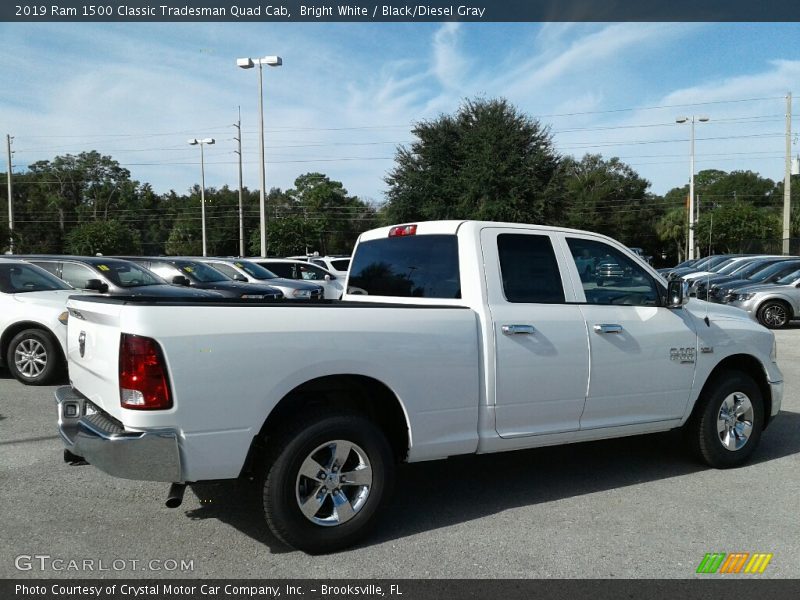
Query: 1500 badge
x=684, y=355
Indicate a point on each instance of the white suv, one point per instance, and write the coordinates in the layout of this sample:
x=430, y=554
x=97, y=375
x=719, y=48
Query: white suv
x=33, y=316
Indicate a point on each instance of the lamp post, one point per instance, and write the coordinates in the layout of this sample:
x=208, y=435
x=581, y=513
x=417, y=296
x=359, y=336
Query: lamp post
x=249, y=63
x=201, y=143
x=691, y=120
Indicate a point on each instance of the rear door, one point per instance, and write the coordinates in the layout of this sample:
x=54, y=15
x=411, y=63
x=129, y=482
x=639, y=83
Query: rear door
x=642, y=353
x=541, y=350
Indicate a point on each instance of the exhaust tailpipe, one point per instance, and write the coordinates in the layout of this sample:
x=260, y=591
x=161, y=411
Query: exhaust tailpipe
x=175, y=495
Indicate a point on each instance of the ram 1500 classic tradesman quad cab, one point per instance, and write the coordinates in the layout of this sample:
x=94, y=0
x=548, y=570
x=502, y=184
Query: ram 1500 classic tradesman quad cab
x=473, y=337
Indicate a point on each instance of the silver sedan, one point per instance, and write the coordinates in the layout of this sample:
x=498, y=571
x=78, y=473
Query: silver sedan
x=771, y=304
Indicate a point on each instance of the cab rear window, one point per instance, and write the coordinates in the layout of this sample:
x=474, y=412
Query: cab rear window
x=414, y=266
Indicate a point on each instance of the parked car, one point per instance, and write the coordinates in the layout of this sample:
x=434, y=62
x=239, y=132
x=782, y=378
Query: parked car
x=474, y=337
x=112, y=276
x=704, y=265
x=33, y=318
x=723, y=292
x=192, y=272
x=771, y=304
x=240, y=269
x=304, y=271
x=337, y=264
x=743, y=270
x=610, y=271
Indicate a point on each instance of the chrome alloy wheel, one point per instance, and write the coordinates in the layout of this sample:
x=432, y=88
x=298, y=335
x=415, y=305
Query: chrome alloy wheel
x=334, y=483
x=30, y=358
x=775, y=315
x=735, y=421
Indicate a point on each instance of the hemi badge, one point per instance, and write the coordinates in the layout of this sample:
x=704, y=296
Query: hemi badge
x=707, y=350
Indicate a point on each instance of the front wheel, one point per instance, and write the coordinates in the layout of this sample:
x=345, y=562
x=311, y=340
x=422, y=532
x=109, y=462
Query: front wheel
x=325, y=480
x=774, y=314
x=34, y=357
x=726, y=428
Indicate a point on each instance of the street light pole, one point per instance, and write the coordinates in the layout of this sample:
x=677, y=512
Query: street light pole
x=691, y=120
x=201, y=143
x=238, y=126
x=10, y=199
x=249, y=63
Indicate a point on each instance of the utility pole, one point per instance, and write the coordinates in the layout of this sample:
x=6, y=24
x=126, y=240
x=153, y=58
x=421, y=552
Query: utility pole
x=10, y=198
x=238, y=138
x=787, y=177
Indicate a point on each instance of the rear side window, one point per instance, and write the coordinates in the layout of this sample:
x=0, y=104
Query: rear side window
x=414, y=266
x=529, y=269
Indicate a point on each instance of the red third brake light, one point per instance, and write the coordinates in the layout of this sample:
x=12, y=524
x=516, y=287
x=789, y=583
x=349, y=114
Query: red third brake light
x=402, y=230
x=143, y=381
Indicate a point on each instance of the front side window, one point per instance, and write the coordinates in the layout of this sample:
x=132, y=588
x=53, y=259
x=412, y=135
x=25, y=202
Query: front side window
x=610, y=277
x=165, y=270
x=226, y=270
x=529, y=269
x=127, y=275
x=255, y=271
x=311, y=273
x=414, y=266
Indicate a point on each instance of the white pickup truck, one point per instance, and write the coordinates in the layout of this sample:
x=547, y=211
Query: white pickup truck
x=473, y=337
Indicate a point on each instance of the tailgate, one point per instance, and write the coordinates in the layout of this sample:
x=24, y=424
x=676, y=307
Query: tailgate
x=93, y=332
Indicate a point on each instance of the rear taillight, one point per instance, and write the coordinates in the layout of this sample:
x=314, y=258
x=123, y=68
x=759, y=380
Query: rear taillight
x=143, y=383
x=402, y=230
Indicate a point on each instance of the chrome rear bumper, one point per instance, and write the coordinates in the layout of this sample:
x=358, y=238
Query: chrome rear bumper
x=103, y=441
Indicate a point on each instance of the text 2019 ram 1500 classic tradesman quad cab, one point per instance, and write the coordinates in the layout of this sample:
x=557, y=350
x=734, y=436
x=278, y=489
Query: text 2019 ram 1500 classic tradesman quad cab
x=473, y=337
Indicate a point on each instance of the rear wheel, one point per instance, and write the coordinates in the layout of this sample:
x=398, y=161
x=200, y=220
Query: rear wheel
x=727, y=425
x=33, y=357
x=325, y=480
x=774, y=314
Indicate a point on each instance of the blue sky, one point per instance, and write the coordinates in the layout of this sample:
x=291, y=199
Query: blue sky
x=348, y=94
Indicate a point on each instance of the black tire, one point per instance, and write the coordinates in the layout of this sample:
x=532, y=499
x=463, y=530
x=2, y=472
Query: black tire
x=705, y=438
x=774, y=314
x=34, y=357
x=284, y=486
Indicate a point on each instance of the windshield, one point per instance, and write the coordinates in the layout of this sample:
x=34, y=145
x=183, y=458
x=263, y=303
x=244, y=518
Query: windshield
x=790, y=278
x=732, y=266
x=255, y=271
x=200, y=271
x=128, y=275
x=16, y=279
x=775, y=269
x=340, y=264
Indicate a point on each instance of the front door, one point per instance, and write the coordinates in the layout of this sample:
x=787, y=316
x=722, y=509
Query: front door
x=642, y=354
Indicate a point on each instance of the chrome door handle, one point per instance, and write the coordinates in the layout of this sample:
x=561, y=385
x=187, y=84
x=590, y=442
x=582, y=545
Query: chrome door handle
x=517, y=329
x=607, y=328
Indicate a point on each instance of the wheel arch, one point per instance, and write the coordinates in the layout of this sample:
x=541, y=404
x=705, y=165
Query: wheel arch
x=745, y=363
x=777, y=298
x=363, y=394
x=12, y=330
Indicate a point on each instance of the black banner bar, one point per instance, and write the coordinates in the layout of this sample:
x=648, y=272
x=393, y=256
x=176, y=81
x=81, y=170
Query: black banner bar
x=395, y=11
x=733, y=586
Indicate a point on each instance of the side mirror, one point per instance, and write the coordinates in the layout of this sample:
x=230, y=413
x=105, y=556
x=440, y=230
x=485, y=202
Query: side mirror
x=181, y=280
x=96, y=285
x=328, y=277
x=240, y=277
x=797, y=285
x=677, y=293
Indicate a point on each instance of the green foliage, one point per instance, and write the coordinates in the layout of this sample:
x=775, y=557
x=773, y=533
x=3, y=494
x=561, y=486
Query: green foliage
x=672, y=228
x=732, y=226
x=488, y=162
x=103, y=237
x=609, y=197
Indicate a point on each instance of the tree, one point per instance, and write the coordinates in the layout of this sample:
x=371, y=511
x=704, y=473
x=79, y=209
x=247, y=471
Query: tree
x=103, y=237
x=488, y=161
x=736, y=227
x=609, y=197
x=672, y=228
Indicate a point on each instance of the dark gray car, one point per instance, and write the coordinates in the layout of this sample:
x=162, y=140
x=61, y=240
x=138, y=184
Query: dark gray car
x=191, y=272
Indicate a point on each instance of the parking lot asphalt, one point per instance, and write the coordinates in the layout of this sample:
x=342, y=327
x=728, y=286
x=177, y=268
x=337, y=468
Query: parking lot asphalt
x=635, y=507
